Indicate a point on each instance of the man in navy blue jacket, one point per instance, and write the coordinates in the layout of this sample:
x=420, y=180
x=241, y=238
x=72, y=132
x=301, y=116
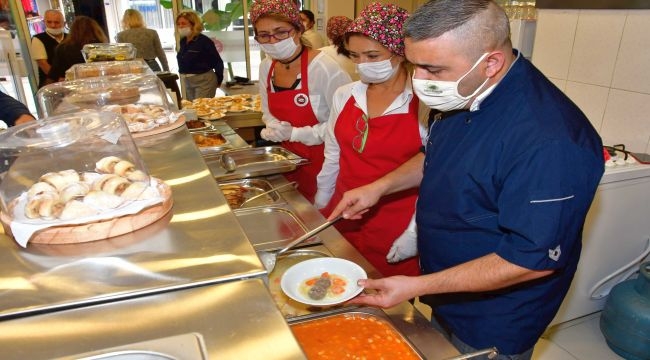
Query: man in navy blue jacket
x=509, y=172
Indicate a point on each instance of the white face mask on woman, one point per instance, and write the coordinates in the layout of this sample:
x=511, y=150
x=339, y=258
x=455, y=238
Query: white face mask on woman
x=281, y=50
x=443, y=95
x=376, y=72
x=184, y=31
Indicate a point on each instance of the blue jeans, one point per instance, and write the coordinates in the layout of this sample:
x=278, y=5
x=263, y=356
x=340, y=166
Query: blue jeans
x=466, y=349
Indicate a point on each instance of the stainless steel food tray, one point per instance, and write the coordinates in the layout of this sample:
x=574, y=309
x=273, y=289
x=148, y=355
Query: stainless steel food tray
x=361, y=312
x=271, y=228
x=253, y=162
x=252, y=187
x=211, y=149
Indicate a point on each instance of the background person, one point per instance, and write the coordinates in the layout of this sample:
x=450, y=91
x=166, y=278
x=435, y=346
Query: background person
x=45, y=43
x=12, y=111
x=84, y=30
x=336, y=26
x=374, y=127
x=296, y=87
x=510, y=171
x=310, y=37
x=199, y=63
x=146, y=41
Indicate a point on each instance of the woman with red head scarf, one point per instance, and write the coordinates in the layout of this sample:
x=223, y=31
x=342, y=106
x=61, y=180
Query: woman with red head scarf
x=296, y=87
x=376, y=125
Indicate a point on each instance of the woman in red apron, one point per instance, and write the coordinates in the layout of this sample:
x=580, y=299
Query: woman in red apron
x=296, y=87
x=376, y=130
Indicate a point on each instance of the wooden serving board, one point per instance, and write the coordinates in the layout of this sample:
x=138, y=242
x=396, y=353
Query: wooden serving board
x=160, y=129
x=99, y=230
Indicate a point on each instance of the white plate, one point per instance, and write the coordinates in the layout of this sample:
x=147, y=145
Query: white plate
x=296, y=275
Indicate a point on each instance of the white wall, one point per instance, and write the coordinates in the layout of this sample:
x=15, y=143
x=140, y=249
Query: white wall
x=601, y=60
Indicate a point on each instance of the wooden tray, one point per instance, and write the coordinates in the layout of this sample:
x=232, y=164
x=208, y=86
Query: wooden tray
x=99, y=230
x=160, y=129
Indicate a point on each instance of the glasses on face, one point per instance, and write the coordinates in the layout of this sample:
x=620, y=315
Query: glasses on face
x=279, y=35
x=359, y=141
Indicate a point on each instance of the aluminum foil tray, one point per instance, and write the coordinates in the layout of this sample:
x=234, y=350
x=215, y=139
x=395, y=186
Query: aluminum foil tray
x=271, y=228
x=254, y=162
x=238, y=191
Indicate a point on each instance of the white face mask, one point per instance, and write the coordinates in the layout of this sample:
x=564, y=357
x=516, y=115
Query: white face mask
x=184, y=31
x=376, y=72
x=443, y=95
x=54, y=32
x=281, y=50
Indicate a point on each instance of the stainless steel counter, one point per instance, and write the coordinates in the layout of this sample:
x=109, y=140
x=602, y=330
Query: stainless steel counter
x=191, y=324
x=193, y=277
x=200, y=242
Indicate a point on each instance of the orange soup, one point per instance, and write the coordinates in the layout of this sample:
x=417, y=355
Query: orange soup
x=352, y=337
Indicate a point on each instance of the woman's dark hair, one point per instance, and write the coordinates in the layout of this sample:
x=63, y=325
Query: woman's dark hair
x=85, y=30
x=309, y=15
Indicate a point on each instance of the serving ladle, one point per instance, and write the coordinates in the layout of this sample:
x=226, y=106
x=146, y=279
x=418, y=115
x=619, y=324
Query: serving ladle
x=228, y=163
x=270, y=258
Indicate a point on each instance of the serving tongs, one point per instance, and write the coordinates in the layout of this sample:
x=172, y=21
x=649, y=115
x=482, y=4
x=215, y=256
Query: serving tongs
x=276, y=188
x=269, y=258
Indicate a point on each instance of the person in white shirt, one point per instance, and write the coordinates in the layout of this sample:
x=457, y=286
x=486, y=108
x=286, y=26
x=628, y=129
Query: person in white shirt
x=44, y=44
x=336, y=26
x=310, y=37
x=376, y=124
x=296, y=87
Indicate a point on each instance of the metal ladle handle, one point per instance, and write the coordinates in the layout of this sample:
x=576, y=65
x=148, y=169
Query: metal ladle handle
x=266, y=192
x=310, y=234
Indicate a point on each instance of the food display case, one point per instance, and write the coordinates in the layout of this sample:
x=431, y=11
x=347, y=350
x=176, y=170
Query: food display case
x=199, y=242
x=141, y=100
x=107, y=68
x=68, y=172
x=108, y=52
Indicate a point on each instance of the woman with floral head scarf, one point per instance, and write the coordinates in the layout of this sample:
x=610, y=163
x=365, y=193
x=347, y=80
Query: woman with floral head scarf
x=336, y=26
x=376, y=124
x=296, y=87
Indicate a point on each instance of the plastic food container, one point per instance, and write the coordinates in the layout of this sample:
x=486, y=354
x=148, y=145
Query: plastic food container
x=72, y=143
x=107, y=68
x=71, y=169
x=108, y=52
x=141, y=99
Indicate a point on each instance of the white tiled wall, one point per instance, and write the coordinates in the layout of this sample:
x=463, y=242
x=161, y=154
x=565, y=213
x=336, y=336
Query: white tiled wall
x=601, y=60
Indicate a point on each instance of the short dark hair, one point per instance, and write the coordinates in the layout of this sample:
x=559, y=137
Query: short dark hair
x=309, y=15
x=480, y=25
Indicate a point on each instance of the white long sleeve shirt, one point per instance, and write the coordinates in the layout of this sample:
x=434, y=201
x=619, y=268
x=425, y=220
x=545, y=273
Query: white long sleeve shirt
x=330, y=170
x=325, y=76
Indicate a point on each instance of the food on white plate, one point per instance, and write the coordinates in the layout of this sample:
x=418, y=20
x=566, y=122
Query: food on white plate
x=320, y=287
x=326, y=285
x=68, y=195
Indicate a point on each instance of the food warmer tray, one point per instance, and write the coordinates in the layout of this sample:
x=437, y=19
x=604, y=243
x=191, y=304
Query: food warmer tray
x=238, y=191
x=221, y=143
x=254, y=162
x=271, y=228
x=362, y=313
